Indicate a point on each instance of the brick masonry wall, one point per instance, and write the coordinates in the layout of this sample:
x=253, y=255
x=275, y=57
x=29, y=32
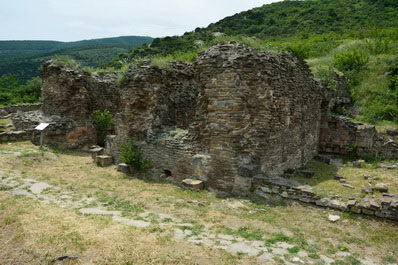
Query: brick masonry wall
x=340, y=136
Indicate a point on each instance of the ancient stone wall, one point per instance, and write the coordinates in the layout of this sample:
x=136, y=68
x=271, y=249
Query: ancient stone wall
x=75, y=94
x=258, y=112
x=20, y=108
x=340, y=136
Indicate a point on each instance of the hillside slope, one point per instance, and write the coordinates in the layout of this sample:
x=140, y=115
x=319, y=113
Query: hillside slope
x=25, y=57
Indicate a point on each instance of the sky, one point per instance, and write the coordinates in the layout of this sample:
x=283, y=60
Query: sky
x=72, y=20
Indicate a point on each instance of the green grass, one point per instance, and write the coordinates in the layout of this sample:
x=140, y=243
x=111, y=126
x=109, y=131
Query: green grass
x=324, y=182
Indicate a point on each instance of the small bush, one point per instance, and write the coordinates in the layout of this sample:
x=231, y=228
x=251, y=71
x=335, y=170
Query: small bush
x=103, y=120
x=131, y=155
x=350, y=60
x=66, y=61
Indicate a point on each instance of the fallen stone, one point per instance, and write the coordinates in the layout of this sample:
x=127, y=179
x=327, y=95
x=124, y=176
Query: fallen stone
x=193, y=184
x=342, y=180
x=356, y=164
x=38, y=188
x=348, y=186
x=241, y=247
x=381, y=187
x=296, y=259
x=99, y=211
x=381, y=165
x=367, y=190
x=389, y=195
x=338, y=177
x=136, y=223
x=333, y=218
x=104, y=161
x=124, y=168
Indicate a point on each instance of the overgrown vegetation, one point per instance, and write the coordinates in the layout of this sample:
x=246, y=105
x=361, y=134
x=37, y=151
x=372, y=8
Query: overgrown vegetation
x=104, y=122
x=130, y=154
x=12, y=91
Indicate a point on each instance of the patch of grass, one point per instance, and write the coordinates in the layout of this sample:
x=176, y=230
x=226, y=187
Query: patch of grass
x=314, y=256
x=293, y=250
x=277, y=237
x=4, y=187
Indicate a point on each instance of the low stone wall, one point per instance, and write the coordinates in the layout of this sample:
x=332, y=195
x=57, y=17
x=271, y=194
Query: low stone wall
x=340, y=136
x=13, y=136
x=266, y=187
x=21, y=108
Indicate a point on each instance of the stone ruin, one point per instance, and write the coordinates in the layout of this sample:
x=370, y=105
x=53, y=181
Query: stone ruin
x=232, y=114
x=236, y=118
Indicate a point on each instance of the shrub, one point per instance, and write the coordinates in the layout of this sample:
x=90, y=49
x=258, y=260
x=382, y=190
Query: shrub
x=350, y=60
x=103, y=120
x=131, y=155
x=66, y=61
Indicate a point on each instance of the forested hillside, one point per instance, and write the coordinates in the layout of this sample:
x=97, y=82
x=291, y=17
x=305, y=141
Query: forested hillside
x=20, y=62
x=357, y=39
x=24, y=58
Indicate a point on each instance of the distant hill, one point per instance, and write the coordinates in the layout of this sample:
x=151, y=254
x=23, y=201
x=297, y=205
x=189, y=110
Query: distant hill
x=25, y=57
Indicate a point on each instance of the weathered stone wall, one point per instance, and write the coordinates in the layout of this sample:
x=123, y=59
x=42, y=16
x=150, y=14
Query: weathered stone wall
x=266, y=188
x=20, y=108
x=340, y=136
x=154, y=99
x=75, y=94
x=258, y=112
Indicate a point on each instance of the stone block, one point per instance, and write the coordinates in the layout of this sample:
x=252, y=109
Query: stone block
x=124, y=168
x=104, y=161
x=193, y=184
x=381, y=187
x=96, y=152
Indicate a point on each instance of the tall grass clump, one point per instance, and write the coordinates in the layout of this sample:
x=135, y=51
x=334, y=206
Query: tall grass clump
x=66, y=61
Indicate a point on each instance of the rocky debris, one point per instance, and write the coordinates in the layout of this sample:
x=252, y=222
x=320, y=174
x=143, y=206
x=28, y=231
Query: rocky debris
x=193, y=184
x=392, y=132
x=104, y=160
x=367, y=190
x=333, y=218
x=381, y=187
x=3, y=113
x=342, y=180
x=348, y=186
x=382, y=165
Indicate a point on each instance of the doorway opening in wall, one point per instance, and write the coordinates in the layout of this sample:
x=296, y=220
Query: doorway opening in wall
x=167, y=173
